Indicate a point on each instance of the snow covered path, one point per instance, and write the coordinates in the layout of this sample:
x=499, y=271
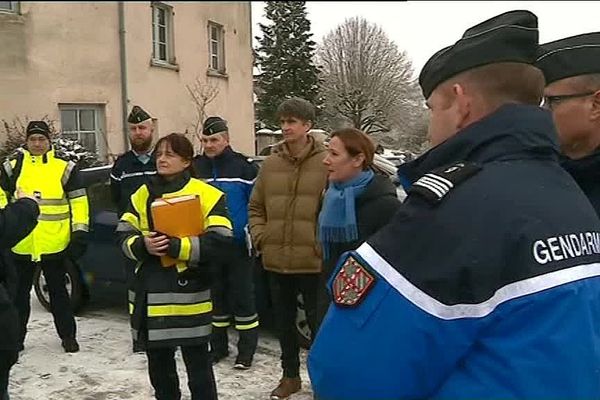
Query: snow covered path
x=106, y=368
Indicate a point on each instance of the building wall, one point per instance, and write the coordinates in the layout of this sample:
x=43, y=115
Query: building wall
x=163, y=91
x=54, y=56
x=57, y=53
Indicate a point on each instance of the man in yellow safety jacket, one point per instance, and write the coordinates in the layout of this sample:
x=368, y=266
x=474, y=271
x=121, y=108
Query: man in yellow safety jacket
x=61, y=231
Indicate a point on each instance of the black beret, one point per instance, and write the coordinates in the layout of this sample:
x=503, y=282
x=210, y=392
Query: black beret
x=214, y=125
x=508, y=37
x=138, y=115
x=38, y=127
x=572, y=56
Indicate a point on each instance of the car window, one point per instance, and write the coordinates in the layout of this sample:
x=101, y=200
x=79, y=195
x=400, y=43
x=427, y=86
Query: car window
x=96, y=181
x=100, y=198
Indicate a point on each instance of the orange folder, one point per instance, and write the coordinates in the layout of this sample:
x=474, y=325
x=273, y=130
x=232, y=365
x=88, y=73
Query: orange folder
x=179, y=217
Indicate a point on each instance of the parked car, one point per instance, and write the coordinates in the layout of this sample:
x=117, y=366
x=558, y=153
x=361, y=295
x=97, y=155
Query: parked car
x=103, y=265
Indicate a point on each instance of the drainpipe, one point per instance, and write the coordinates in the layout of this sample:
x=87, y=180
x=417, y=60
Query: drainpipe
x=123, y=61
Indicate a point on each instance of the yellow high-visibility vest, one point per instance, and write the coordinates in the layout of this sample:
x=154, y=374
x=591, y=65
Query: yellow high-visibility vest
x=61, y=212
x=139, y=220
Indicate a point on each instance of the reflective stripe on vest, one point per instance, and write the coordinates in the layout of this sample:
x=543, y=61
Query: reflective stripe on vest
x=179, y=333
x=179, y=310
x=209, y=196
x=178, y=298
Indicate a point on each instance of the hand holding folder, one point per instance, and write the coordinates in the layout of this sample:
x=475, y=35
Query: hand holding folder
x=177, y=217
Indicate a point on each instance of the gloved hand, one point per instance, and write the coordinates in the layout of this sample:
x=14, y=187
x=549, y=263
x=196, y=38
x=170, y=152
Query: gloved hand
x=174, y=247
x=78, y=244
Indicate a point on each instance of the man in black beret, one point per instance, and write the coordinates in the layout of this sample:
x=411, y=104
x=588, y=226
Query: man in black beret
x=135, y=167
x=572, y=70
x=233, y=289
x=486, y=283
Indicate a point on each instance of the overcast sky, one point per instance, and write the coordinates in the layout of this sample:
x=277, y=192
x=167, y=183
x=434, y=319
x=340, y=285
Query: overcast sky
x=423, y=27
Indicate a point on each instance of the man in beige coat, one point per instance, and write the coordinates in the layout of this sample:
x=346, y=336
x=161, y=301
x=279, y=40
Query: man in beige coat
x=283, y=213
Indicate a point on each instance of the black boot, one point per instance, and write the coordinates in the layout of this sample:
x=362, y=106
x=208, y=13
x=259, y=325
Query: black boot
x=70, y=345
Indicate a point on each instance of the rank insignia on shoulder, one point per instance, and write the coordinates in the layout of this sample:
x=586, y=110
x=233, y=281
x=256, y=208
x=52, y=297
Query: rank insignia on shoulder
x=351, y=283
x=435, y=185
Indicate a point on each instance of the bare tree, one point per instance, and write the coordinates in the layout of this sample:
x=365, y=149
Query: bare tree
x=202, y=93
x=367, y=81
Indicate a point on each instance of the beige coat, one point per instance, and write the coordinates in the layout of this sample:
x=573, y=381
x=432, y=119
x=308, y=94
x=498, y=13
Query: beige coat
x=284, y=208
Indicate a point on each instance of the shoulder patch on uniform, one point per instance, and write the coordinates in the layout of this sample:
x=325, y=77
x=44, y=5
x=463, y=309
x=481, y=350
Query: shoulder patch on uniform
x=435, y=185
x=352, y=282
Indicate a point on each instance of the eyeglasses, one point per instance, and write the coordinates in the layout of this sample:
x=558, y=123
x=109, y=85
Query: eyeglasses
x=550, y=102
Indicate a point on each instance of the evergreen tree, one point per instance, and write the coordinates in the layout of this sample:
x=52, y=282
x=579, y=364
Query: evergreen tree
x=285, y=60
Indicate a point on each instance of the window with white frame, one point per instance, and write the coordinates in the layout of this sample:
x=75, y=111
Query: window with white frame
x=162, y=33
x=216, y=47
x=10, y=6
x=84, y=123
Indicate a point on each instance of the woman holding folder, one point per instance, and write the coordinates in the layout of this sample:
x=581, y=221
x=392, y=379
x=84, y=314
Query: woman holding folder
x=169, y=302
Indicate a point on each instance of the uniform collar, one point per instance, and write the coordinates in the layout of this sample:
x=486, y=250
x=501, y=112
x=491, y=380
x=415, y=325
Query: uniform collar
x=150, y=152
x=227, y=152
x=43, y=158
x=588, y=166
x=159, y=185
x=513, y=131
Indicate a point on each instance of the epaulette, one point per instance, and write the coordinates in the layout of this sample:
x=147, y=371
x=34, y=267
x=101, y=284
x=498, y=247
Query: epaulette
x=435, y=185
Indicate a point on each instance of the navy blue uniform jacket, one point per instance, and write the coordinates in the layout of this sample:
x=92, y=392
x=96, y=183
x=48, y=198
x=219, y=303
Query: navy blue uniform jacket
x=486, y=284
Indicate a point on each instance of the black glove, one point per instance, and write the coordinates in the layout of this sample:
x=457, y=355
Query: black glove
x=78, y=244
x=174, y=246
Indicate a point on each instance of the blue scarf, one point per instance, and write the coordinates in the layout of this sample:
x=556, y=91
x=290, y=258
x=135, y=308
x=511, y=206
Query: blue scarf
x=337, y=220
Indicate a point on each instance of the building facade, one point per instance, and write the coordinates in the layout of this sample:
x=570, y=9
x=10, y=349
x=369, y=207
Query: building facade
x=85, y=64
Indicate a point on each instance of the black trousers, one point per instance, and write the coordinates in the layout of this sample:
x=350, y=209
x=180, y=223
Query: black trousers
x=7, y=359
x=60, y=305
x=163, y=373
x=284, y=292
x=233, y=293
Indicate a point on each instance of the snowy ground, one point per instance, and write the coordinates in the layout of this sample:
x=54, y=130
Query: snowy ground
x=106, y=368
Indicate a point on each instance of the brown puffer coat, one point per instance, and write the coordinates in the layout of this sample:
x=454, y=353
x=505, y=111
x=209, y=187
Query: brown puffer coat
x=284, y=208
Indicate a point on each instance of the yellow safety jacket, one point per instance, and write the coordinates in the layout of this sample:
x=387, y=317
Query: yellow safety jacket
x=173, y=303
x=63, y=202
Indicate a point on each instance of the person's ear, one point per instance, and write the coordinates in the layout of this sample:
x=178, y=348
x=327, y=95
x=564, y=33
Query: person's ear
x=308, y=125
x=358, y=160
x=463, y=105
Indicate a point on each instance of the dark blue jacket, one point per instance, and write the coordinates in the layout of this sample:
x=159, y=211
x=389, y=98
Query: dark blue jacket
x=485, y=284
x=17, y=221
x=127, y=175
x=234, y=174
x=586, y=172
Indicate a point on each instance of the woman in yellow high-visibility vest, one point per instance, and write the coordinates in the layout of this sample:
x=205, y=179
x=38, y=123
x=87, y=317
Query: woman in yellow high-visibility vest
x=171, y=306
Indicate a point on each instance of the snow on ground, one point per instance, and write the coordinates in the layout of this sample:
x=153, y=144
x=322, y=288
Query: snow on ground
x=107, y=369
